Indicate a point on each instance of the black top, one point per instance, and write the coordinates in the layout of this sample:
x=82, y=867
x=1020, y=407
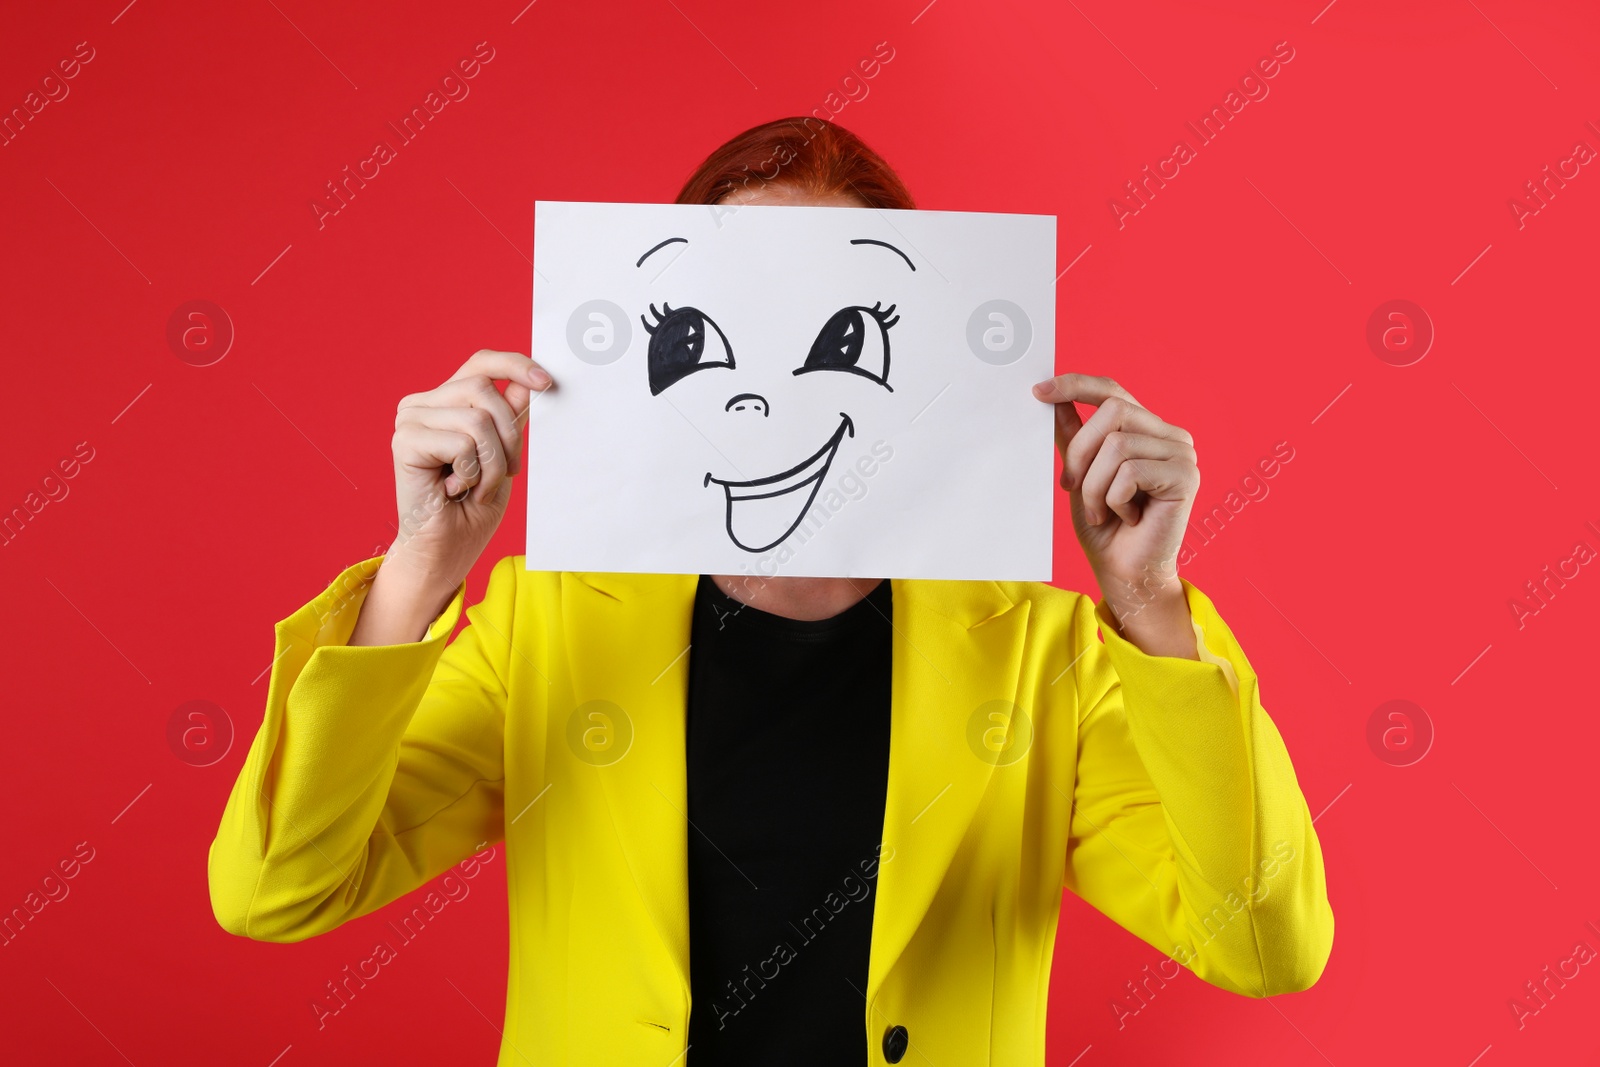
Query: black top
x=788, y=766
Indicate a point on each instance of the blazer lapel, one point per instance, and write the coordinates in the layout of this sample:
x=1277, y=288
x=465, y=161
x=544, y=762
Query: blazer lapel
x=627, y=638
x=957, y=646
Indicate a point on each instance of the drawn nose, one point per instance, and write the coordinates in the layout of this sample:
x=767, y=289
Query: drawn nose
x=748, y=402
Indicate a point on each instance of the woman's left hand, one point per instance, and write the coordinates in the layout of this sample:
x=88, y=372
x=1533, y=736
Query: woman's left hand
x=1132, y=479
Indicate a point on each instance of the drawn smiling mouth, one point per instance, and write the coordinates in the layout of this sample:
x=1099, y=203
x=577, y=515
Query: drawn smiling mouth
x=762, y=511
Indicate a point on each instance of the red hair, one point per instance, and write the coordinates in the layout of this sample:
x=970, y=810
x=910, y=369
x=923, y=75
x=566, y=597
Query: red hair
x=811, y=154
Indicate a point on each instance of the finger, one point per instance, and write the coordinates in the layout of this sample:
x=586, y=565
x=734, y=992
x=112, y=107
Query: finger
x=1112, y=415
x=518, y=397
x=488, y=461
x=1124, y=487
x=476, y=392
x=1118, y=449
x=504, y=366
x=522, y=399
x=1068, y=423
x=1172, y=479
x=426, y=449
x=1084, y=388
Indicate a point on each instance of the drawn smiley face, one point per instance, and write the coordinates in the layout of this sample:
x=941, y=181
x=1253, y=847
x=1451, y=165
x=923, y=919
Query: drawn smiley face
x=854, y=340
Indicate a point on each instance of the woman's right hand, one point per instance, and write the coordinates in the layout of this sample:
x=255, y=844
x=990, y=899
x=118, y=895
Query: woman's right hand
x=455, y=450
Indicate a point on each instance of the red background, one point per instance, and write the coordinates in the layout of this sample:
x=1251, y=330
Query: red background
x=1379, y=567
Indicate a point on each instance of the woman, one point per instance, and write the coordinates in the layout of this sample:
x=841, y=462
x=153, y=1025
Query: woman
x=858, y=830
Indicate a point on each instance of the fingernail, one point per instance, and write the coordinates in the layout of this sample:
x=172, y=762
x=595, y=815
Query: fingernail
x=539, y=377
x=1041, y=389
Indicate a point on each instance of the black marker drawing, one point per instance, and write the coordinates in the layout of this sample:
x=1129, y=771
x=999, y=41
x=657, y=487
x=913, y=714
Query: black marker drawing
x=754, y=401
x=678, y=345
x=845, y=338
x=762, y=512
x=857, y=241
x=663, y=244
x=775, y=487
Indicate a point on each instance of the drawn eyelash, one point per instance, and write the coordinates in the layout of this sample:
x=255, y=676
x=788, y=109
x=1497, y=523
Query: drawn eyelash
x=877, y=311
x=883, y=315
x=666, y=310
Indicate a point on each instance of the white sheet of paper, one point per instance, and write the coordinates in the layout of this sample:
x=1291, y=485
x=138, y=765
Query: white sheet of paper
x=680, y=439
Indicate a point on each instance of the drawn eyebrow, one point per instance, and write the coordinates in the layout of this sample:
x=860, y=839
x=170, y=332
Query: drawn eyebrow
x=659, y=247
x=886, y=244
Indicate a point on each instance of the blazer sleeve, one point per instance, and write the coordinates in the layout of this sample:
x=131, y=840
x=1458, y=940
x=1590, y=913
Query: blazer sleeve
x=375, y=768
x=1188, y=826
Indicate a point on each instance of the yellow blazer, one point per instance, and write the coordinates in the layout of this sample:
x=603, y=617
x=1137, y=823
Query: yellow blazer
x=1026, y=756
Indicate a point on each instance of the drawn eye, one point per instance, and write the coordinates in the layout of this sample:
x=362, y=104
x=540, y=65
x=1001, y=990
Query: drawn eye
x=855, y=339
x=682, y=341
